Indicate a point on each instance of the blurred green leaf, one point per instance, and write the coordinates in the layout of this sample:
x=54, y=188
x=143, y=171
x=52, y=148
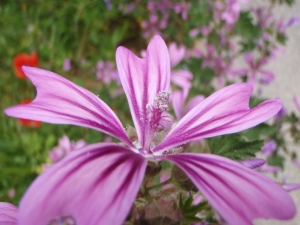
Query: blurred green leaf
x=235, y=147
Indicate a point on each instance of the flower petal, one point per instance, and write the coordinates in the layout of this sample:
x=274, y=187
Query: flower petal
x=238, y=193
x=182, y=78
x=224, y=112
x=60, y=101
x=178, y=103
x=8, y=214
x=290, y=187
x=142, y=80
x=253, y=163
x=176, y=53
x=194, y=102
x=96, y=185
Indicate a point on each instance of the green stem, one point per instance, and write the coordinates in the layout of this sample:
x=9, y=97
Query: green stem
x=159, y=185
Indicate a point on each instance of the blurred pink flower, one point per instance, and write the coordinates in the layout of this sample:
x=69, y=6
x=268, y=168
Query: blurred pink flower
x=268, y=148
x=255, y=72
x=11, y=193
x=64, y=148
x=106, y=72
x=67, y=64
x=182, y=77
x=182, y=7
x=153, y=26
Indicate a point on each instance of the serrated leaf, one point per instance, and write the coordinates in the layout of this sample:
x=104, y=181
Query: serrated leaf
x=276, y=160
x=189, y=210
x=246, y=28
x=235, y=147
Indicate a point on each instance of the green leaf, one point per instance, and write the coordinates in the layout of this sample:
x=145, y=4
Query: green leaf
x=235, y=147
x=276, y=160
x=246, y=28
x=261, y=130
x=189, y=210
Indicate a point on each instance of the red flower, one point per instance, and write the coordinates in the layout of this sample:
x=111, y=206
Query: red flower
x=24, y=59
x=26, y=122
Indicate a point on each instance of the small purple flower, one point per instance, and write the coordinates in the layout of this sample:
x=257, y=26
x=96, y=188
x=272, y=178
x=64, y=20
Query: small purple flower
x=194, y=32
x=255, y=70
x=106, y=72
x=268, y=148
x=154, y=25
x=253, y=163
x=178, y=102
x=232, y=12
x=183, y=77
x=67, y=64
x=11, y=193
x=64, y=148
x=264, y=16
x=108, y=4
x=297, y=104
x=98, y=184
x=182, y=7
x=159, y=6
x=282, y=26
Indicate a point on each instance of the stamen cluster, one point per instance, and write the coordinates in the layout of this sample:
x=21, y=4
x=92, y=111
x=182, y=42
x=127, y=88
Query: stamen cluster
x=155, y=111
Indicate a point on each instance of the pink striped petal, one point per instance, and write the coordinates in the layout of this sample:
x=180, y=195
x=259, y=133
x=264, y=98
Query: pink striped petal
x=194, y=102
x=224, y=112
x=142, y=80
x=8, y=214
x=96, y=185
x=178, y=103
x=60, y=101
x=238, y=193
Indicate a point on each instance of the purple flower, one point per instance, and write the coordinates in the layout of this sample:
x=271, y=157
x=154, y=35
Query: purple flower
x=232, y=12
x=64, y=148
x=255, y=70
x=98, y=184
x=160, y=6
x=269, y=147
x=108, y=4
x=67, y=64
x=106, y=72
x=296, y=102
x=11, y=193
x=282, y=26
x=264, y=16
x=153, y=26
x=178, y=101
x=183, y=77
x=253, y=163
x=182, y=8
x=8, y=214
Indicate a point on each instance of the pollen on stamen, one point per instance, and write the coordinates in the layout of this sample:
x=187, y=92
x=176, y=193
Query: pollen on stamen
x=157, y=112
